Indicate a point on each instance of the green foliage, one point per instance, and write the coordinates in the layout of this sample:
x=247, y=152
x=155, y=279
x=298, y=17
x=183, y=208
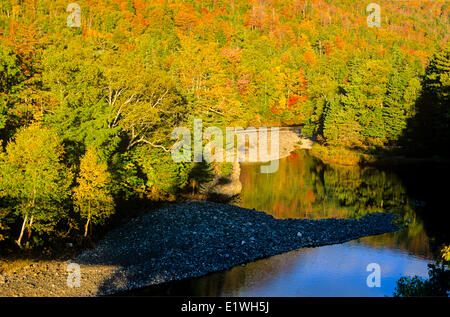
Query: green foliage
x=162, y=174
x=341, y=127
x=11, y=79
x=33, y=179
x=225, y=169
x=430, y=128
x=438, y=283
x=128, y=180
x=137, y=69
x=402, y=91
x=356, y=119
x=201, y=173
x=81, y=119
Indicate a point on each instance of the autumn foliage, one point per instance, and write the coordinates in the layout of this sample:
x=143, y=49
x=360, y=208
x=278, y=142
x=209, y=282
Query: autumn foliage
x=98, y=103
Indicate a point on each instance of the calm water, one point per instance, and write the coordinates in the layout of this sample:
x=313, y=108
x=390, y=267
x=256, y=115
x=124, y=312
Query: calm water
x=304, y=187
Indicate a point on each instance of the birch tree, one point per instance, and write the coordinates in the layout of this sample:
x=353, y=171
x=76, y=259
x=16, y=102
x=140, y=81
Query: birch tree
x=34, y=179
x=92, y=198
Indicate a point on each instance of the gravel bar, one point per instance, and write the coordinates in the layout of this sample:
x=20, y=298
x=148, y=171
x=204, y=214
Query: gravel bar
x=186, y=240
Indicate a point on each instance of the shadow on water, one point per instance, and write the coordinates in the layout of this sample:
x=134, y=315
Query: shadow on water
x=304, y=187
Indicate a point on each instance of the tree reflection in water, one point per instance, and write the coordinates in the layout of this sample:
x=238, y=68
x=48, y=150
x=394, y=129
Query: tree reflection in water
x=304, y=187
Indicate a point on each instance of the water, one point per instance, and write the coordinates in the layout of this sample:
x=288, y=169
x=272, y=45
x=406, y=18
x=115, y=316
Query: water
x=305, y=187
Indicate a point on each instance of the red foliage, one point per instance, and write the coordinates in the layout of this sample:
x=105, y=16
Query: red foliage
x=204, y=11
x=292, y=100
x=275, y=110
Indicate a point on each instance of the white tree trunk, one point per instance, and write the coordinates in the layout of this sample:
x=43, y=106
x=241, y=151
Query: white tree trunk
x=19, y=240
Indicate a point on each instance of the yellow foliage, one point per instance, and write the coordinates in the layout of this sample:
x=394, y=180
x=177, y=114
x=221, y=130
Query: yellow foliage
x=336, y=155
x=446, y=253
x=92, y=197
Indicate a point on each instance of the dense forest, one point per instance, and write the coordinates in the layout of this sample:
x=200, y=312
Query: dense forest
x=86, y=112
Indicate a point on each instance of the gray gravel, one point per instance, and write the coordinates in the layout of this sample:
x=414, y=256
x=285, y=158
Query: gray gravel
x=192, y=239
x=181, y=241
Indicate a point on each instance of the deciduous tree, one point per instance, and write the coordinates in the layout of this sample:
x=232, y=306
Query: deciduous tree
x=33, y=178
x=92, y=198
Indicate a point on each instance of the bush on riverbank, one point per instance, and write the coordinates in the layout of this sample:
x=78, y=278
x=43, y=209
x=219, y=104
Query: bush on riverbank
x=337, y=155
x=437, y=284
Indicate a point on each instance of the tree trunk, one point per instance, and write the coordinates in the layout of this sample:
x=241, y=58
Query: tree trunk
x=29, y=227
x=19, y=240
x=86, y=227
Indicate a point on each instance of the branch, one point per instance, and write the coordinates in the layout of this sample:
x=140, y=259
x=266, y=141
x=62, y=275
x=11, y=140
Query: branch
x=143, y=140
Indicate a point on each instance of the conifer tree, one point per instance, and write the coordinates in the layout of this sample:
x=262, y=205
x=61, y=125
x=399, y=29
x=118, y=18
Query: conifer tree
x=432, y=121
x=402, y=90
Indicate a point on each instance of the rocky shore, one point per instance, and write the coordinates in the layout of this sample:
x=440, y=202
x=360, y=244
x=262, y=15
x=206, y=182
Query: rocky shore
x=185, y=240
x=224, y=189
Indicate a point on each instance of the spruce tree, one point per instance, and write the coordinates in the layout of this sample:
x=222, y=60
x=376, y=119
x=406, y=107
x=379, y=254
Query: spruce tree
x=432, y=121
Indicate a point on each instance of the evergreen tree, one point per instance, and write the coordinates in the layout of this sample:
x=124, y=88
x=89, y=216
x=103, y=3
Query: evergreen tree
x=11, y=83
x=432, y=122
x=402, y=90
x=340, y=126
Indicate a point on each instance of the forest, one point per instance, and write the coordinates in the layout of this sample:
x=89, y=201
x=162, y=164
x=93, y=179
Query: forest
x=86, y=112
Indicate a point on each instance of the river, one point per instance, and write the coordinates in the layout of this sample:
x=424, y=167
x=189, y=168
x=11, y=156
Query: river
x=305, y=187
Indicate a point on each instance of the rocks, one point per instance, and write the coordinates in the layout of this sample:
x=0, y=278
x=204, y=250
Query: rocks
x=187, y=240
x=225, y=188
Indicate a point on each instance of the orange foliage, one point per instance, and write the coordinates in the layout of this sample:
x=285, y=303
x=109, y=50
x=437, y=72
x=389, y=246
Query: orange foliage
x=309, y=57
x=381, y=50
x=139, y=6
x=233, y=55
x=87, y=32
x=256, y=18
x=187, y=18
x=339, y=42
x=327, y=47
x=274, y=110
x=24, y=41
x=310, y=196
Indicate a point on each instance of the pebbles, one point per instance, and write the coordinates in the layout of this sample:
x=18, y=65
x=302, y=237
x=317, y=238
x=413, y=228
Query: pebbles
x=189, y=240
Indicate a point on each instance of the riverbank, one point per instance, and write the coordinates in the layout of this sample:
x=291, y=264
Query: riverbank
x=224, y=189
x=184, y=240
x=338, y=156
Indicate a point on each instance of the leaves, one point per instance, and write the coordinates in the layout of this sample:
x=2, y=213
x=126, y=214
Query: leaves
x=33, y=178
x=106, y=96
x=91, y=196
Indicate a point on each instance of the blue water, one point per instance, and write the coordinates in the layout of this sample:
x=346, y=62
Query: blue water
x=336, y=270
x=303, y=187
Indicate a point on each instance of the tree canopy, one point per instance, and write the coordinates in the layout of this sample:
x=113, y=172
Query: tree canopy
x=105, y=96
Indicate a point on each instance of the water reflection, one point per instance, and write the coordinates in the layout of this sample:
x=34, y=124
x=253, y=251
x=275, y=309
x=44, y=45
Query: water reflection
x=338, y=270
x=304, y=187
